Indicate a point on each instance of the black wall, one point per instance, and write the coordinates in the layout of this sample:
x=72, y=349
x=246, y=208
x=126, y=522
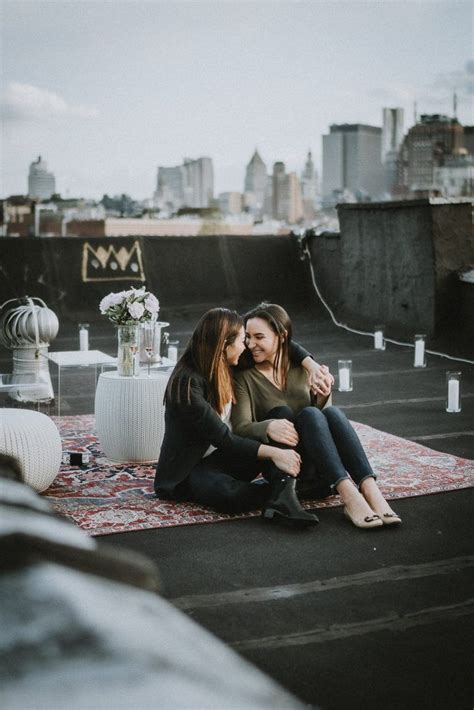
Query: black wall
x=181, y=271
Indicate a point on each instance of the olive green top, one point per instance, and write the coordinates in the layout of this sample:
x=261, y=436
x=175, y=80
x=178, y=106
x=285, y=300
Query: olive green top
x=256, y=396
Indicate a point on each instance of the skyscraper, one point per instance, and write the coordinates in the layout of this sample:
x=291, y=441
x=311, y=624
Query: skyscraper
x=392, y=138
x=187, y=185
x=309, y=187
x=41, y=183
x=198, y=182
x=352, y=160
x=392, y=131
x=426, y=147
x=286, y=195
x=255, y=182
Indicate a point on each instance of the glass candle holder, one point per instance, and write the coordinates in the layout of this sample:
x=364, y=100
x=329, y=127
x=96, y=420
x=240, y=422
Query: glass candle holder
x=420, y=355
x=173, y=350
x=165, y=341
x=379, y=342
x=83, y=336
x=345, y=375
x=453, y=394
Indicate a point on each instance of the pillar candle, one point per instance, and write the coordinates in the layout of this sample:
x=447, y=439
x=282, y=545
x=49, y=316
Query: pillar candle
x=378, y=340
x=83, y=339
x=419, y=353
x=344, y=378
x=453, y=395
x=173, y=353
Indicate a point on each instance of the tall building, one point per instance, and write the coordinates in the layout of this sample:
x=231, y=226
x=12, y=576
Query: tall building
x=169, y=195
x=187, y=185
x=426, y=146
x=352, y=160
x=279, y=196
x=392, y=138
x=287, y=204
x=255, y=182
x=309, y=188
x=41, y=183
x=198, y=182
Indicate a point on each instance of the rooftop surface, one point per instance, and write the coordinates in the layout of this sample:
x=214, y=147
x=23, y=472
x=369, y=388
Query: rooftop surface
x=383, y=619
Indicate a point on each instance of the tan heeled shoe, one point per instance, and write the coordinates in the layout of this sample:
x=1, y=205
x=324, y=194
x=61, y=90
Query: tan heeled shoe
x=390, y=518
x=370, y=521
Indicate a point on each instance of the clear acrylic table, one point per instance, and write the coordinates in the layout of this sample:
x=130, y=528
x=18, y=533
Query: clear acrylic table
x=79, y=358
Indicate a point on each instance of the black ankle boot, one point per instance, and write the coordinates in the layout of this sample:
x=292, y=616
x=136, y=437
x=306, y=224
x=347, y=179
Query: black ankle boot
x=284, y=504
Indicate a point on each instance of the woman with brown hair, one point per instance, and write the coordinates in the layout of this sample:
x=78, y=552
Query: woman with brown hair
x=275, y=405
x=201, y=459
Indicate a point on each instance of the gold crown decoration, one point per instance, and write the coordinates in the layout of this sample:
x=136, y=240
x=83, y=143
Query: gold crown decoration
x=111, y=264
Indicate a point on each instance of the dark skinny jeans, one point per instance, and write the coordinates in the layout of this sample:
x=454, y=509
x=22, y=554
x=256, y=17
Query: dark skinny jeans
x=329, y=446
x=226, y=483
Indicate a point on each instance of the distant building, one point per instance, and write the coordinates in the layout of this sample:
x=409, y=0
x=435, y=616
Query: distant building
x=352, y=161
x=287, y=204
x=456, y=177
x=230, y=203
x=469, y=139
x=255, y=183
x=198, y=182
x=41, y=183
x=309, y=188
x=392, y=138
x=187, y=185
x=170, y=188
x=426, y=146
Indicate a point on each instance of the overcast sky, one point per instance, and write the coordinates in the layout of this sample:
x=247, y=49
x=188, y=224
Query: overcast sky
x=106, y=91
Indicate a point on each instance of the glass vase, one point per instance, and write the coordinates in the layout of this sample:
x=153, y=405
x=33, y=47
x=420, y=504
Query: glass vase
x=128, y=348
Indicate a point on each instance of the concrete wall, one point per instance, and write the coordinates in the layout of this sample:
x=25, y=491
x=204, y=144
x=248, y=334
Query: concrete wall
x=72, y=274
x=399, y=262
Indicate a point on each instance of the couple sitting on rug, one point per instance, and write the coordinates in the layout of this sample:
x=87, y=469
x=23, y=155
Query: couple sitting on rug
x=228, y=420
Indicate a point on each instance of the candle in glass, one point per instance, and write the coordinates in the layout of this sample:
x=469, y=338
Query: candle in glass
x=379, y=342
x=345, y=375
x=83, y=336
x=453, y=402
x=420, y=359
x=173, y=350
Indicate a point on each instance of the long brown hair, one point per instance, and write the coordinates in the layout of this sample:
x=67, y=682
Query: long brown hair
x=205, y=354
x=279, y=321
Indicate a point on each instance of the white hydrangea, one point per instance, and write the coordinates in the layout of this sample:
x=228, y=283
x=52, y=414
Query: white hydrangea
x=136, y=309
x=136, y=305
x=152, y=304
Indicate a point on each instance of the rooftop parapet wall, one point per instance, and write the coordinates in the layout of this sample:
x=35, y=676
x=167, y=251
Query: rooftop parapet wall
x=73, y=274
x=399, y=262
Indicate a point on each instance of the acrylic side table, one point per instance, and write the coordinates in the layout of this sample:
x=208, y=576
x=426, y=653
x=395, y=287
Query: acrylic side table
x=129, y=415
x=79, y=358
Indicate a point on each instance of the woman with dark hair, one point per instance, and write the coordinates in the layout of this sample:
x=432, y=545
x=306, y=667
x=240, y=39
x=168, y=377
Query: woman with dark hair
x=201, y=459
x=275, y=405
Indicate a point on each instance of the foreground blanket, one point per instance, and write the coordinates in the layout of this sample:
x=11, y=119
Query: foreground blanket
x=105, y=497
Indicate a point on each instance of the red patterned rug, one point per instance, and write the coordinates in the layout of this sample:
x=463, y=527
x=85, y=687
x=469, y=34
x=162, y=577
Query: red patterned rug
x=105, y=497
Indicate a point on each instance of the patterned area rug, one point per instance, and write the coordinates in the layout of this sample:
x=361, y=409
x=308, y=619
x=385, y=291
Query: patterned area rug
x=105, y=497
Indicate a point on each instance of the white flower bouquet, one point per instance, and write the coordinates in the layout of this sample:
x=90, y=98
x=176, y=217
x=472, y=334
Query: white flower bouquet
x=137, y=305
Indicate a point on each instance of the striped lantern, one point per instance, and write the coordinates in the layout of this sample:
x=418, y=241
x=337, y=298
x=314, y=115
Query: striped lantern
x=27, y=327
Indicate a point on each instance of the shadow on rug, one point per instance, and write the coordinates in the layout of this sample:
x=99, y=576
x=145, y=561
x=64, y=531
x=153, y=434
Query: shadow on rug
x=105, y=497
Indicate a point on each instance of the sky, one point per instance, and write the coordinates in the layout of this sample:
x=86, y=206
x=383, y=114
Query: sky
x=106, y=90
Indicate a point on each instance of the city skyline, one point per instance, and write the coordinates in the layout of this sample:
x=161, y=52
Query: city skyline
x=108, y=92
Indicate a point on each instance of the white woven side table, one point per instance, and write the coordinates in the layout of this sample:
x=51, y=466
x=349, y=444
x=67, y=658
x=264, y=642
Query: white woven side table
x=129, y=416
x=33, y=439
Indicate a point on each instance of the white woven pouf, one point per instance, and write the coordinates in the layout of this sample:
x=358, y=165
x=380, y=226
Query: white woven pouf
x=129, y=416
x=33, y=439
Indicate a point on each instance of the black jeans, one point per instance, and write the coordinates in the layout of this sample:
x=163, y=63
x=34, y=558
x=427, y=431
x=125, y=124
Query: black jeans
x=329, y=447
x=225, y=484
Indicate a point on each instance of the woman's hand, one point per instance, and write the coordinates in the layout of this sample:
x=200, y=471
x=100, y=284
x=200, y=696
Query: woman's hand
x=320, y=381
x=287, y=460
x=283, y=431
